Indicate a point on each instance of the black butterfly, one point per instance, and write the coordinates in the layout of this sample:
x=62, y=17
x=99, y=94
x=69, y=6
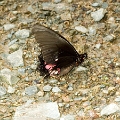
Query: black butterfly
x=57, y=56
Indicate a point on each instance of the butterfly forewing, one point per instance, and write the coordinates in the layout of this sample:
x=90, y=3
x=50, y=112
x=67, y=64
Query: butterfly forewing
x=48, y=39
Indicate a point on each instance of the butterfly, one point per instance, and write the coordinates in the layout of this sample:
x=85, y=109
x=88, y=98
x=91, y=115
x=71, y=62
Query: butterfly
x=57, y=56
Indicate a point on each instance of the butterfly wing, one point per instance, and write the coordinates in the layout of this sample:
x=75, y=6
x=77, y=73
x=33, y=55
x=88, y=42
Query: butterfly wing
x=56, y=50
x=53, y=46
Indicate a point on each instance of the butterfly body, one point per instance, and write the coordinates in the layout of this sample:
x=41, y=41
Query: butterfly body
x=57, y=56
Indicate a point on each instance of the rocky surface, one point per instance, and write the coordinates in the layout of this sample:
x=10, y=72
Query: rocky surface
x=88, y=92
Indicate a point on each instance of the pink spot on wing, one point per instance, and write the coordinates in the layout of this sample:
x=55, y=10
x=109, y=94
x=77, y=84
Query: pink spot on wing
x=50, y=66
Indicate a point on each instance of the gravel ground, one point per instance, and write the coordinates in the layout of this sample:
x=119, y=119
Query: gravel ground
x=90, y=91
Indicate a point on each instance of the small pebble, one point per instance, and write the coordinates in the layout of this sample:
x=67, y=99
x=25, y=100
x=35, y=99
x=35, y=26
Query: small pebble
x=31, y=90
x=110, y=109
x=98, y=46
x=70, y=88
x=8, y=26
x=69, y=1
x=80, y=68
x=14, y=79
x=117, y=99
x=22, y=34
x=81, y=29
x=57, y=1
x=95, y=4
x=56, y=89
x=12, y=42
x=16, y=56
x=47, y=88
x=111, y=20
x=2, y=91
x=53, y=81
x=14, y=47
x=30, y=9
x=11, y=89
x=98, y=15
x=108, y=38
x=67, y=117
x=104, y=5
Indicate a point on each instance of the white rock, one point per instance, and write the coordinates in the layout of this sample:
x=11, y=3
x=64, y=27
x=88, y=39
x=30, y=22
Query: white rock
x=57, y=1
x=5, y=74
x=98, y=15
x=108, y=38
x=22, y=33
x=8, y=26
x=95, y=4
x=10, y=89
x=117, y=99
x=67, y=117
x=39, y=111
x=47, y=88
x=81, y=29
x=9, y=76
x=56, y=89
x=31, y=90
x=98, y=45
x=92, y=30
x=15, y=58
x=2, y=91
x=109, y=109
x=111, y=20
x=80, y=68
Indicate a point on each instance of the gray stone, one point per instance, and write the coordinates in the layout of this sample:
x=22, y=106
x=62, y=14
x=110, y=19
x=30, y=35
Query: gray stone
x=80, y=68
x=53, y=81
x=104, y=5
x=56, y=89
x=14, y=47
x=69, y=1
x=108, y=38
x=6, y=75
x=38, y=111
x=31, y=90
x=98, y=45
x=110, y=109
x=66, y=16
x=47, y=6
x=2, y=91
x=30, y=9
x=15, y=58
x=47, y=88
x=81, y=113
x=70, y=88
x=22, y=34
x=81, y=29
x=92, y=30
x=12, y=42
x=95, y=4
x=21, y=70
x=117, y=99
x=11, y=89
x=14, y=79
x=8, y=26
x=57, y=1
x=67, y=117
x=9, y=76
x=98, y=15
